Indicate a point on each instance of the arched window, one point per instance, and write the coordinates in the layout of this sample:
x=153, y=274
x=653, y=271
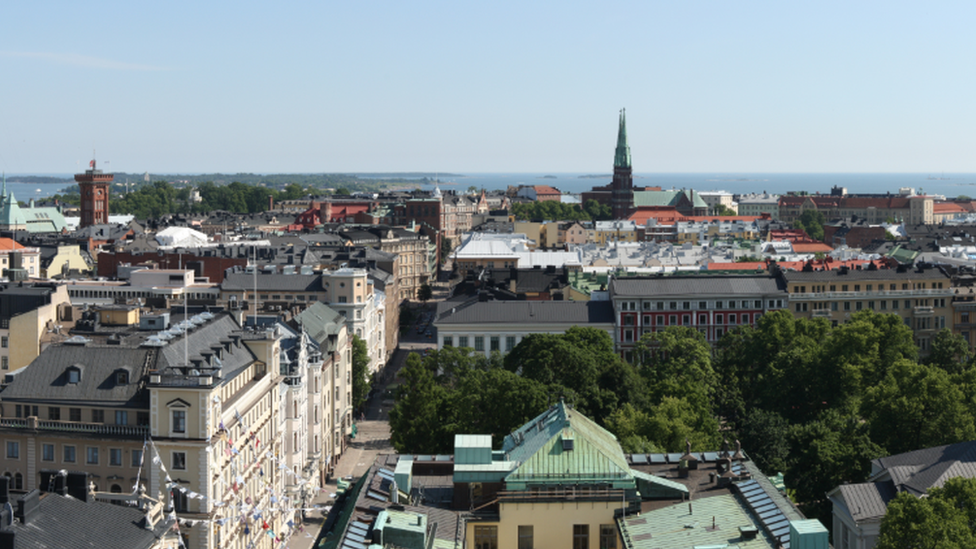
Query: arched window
x=116, y=489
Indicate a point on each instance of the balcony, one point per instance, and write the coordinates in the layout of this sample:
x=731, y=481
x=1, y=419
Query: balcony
x=822, y=313
x=34, y=424
x=923, y=311
x=894, y=294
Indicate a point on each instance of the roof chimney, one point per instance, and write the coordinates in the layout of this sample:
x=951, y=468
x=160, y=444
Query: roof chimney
x=78, y=485
x=27, y=506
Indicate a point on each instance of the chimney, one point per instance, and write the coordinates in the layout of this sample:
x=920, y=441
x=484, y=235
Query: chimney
x=61, y=483
x=78, y=486
x=4, y=490
x=270, y=202
x=27, y=506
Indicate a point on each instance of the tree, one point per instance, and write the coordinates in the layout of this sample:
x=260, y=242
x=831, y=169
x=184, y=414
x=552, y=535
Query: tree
x=445, y=249
x=425, y=293
x=827, y=452
x=765, y=435
x=917, y=406
x=950, y=352
x=473, y=189
x=360, y=370
x=342, y=191
x=811, y=221
x=418, y=422
x=945, y=519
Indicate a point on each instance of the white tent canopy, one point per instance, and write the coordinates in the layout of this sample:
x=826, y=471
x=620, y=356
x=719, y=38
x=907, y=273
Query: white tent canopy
x=180, y=237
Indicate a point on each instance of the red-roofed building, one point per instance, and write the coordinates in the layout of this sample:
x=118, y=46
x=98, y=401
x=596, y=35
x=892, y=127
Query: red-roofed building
x=944, y=211
x=17, y=256
x=540, y=193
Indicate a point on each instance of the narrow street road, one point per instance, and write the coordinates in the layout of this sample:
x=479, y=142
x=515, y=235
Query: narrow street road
x=373, y=436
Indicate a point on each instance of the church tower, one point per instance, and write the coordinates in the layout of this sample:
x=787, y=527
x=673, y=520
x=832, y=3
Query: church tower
x=622, y=188
x=94, y=187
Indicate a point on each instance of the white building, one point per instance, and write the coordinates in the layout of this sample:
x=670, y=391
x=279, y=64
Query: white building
x=490, y=326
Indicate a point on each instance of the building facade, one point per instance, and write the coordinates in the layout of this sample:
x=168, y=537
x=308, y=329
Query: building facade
x=713, y=305
x=921, y=297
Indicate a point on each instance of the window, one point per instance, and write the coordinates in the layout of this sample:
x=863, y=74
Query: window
x=180, y=501
x=673, y=320
x=608, y=536
x=74, y=375
x=4, y=363
x=525, y=537
x=485, y=537
x=719, y=319
x=448, y=341
x=91, y=455
x=509, y=343
x=137, y=458
x=98, y=416
x=462, y=341
x=54, y=413
x=69, y=454
x=121, y=417
x=732, y=319
x=494, y=343
x=47, y=452
x=581, y=536
x=479, y=343
x=74, y=414
x=13, y=449
x=179, y=461
x=702, y=305
x=179, y=421
x=3, y=342
x=847, y=305
x=142, y=419
x=115, y=457
x=122, y=377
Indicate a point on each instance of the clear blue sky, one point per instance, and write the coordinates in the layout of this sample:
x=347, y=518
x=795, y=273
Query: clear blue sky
x=488, y=86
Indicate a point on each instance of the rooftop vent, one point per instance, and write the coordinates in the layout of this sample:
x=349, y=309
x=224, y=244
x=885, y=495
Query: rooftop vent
x=77, y=340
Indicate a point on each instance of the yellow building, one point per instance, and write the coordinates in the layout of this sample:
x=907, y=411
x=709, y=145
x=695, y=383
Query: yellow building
x=65, y=258
x=922, y=298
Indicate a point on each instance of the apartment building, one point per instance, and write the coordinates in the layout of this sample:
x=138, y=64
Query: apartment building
x=31, y=316
x=194, y=412
x=350, y=291
x=713, y=305
x=922, y=297
x=759, y=204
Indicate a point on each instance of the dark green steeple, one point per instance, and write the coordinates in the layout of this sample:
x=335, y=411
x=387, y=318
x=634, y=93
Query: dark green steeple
x=621, y=159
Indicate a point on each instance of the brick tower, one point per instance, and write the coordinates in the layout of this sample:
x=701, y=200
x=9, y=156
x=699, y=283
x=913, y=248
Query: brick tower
x=94, y=187
x=622, y=188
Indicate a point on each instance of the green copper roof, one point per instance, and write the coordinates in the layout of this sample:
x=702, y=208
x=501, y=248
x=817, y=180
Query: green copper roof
x=10, y=214
x=562, y=446
x=621, y=159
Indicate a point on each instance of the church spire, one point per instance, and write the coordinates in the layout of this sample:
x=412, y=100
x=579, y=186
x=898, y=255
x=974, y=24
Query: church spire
x=621, y=158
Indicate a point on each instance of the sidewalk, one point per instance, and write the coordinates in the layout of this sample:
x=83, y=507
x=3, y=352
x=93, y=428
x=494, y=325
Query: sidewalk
x=372, y=439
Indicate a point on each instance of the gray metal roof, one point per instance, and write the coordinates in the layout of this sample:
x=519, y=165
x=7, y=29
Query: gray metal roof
x=837, y=276
x=45, y=379
x=272, y=282
x=649, y=287
x=920, y=470
x=69, y=523
x=543, y=312
x=868, y=500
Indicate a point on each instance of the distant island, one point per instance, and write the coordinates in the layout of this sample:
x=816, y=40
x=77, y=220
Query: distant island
x=597, y=176
x=547, y=177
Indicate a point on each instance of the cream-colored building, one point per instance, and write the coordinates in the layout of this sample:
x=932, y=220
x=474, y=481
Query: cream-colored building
x=195, y=412
x=64, y=259
x=922, y=298
x=38, y=314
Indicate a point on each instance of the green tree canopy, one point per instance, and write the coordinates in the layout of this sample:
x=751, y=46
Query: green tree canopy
x=360, y=370
x=946, y=519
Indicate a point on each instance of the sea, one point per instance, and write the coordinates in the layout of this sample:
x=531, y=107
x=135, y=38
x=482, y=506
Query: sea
x=944, y=184
x=949, y=185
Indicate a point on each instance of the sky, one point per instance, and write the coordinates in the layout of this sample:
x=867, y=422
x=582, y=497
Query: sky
x=474, y=87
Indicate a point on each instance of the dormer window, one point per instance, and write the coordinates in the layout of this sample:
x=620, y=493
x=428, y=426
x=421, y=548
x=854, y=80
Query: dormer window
x=74, y=374
x=121, y=377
